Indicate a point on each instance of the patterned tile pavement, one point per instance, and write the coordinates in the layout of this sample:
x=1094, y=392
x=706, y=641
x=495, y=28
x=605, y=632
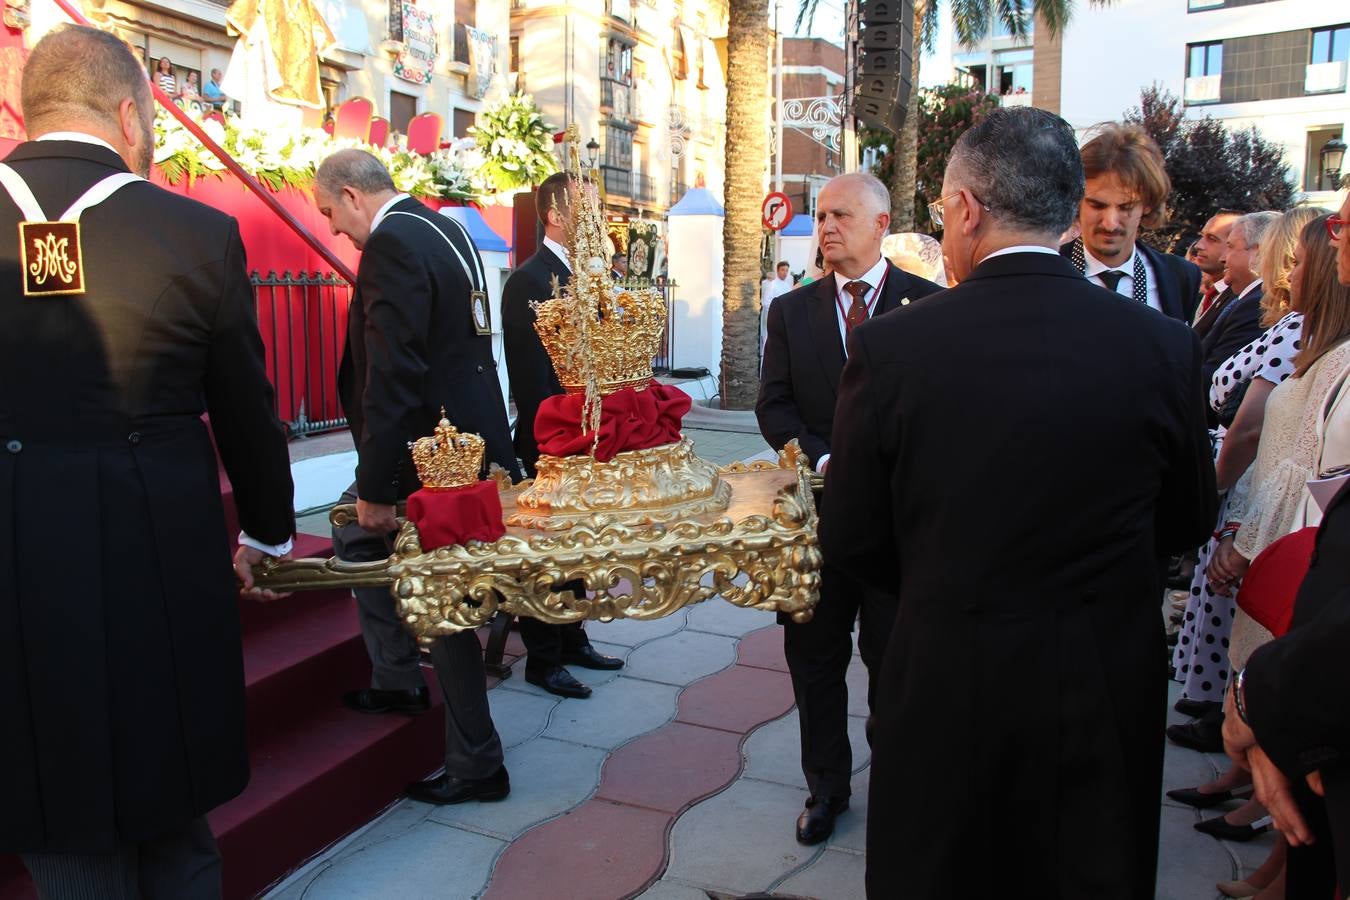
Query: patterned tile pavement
x=678, y=777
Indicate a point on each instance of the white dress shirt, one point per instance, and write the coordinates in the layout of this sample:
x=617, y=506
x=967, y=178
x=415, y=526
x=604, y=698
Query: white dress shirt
x=1021, y=248
x=384, y=211
x=873, y=277
x=1093, y=267
x=558, y=250
x=78, y=136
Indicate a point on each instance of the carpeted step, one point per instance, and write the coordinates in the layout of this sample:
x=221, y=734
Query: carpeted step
x=327, y=774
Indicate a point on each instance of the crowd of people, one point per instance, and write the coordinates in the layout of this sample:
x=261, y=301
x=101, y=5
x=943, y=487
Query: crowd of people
x=1016, y=460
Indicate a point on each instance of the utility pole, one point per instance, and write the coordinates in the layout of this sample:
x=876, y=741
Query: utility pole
x=778, y=117
x=848, y=143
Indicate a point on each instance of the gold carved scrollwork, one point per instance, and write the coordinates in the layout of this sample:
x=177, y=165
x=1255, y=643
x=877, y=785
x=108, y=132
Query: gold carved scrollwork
x=761, y=553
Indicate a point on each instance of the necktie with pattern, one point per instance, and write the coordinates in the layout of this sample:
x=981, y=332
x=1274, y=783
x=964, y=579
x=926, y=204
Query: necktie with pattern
x=857, y=312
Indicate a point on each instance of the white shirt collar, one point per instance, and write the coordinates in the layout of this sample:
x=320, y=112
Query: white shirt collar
x=1093, y=266
x=1021, y=248
x=384, y=210
x=78, y=137
x=1249, y=288
x=1220, y=286
x=558, y=250
x=872, y=276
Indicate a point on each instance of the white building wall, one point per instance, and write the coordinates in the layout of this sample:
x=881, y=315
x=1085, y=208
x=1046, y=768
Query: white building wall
x=1112, y=54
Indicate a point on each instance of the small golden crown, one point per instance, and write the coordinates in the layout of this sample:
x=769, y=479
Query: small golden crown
x=451, y=459
x=600, y=336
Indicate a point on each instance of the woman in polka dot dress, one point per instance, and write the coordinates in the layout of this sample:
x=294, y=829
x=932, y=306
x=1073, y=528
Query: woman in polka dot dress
x=1201, y=654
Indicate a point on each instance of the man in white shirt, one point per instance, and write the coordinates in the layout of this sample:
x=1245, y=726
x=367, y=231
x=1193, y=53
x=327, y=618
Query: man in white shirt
x=770, y=290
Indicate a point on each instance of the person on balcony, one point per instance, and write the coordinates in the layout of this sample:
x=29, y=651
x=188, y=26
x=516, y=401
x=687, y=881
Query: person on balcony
x=121, y=665
x=412, y=350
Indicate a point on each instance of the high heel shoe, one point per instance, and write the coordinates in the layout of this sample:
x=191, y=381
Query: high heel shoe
x=1200, y=800
x=1218, y=827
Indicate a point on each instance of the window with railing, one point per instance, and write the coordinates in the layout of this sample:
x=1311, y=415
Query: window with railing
x=618, y=148
x=1328, y=57
x=1204, y=72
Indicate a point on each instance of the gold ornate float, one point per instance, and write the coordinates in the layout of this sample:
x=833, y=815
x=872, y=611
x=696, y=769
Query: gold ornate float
x=760, y=553
x=648, y=530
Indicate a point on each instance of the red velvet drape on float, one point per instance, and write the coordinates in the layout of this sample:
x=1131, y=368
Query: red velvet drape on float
x=1272, y=581
x=445, y=516
x=629, y=420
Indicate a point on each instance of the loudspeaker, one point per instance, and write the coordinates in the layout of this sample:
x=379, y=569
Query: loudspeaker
x=884, y=63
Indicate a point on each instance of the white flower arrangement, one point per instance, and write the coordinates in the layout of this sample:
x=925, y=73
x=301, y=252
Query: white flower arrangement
x=279, y=158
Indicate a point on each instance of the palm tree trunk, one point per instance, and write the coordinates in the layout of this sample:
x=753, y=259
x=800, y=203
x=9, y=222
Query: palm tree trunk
x=907, y=142
x=747, y=160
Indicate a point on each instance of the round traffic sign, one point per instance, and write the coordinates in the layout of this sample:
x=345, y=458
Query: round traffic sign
x=776, y=211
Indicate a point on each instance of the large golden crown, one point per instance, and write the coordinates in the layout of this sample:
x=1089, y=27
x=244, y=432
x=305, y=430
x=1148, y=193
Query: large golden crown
x=450, y=459
x=600, y=336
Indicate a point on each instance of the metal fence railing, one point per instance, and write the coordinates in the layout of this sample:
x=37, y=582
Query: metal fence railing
x=303, y=322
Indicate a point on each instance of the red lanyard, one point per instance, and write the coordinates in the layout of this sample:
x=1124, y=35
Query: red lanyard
x=839, y=299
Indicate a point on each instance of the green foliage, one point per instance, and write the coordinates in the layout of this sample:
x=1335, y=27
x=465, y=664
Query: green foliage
x=1211, y=167
x=944, y=115
x=516, y=144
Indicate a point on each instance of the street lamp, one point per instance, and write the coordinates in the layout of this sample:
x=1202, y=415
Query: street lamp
x=1333, y=156
x=593, y=151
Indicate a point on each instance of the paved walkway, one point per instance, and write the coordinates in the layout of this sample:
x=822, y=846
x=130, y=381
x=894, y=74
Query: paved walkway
x=677, y=778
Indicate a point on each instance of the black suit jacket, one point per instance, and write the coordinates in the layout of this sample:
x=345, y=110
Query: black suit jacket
x=412, y=349
x=1015, y=492
x=1178, y=280
x=527, y=363
x=123, y=661
x=1234, y=325
x=804, y=356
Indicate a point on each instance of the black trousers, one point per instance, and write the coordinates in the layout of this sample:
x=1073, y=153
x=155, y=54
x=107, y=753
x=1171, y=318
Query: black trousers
x=818, y=655
x=473, y=748
x=545, y=644
x=183, y=864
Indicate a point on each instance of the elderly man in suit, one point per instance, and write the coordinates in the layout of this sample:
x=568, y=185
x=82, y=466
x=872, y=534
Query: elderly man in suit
x=1126, y=188
x=1027, y=659
x=413, y=349
x=121, y=668
x=803, y=356
x=1234, y=320
x=547, y=647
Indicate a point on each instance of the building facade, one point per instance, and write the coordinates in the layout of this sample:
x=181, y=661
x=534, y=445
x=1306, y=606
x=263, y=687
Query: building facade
x=642, y=79
x=465, y=70
x=1279, y=65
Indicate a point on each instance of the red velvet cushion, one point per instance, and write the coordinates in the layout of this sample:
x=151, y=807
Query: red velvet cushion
x=456, y=515
x=629, y=420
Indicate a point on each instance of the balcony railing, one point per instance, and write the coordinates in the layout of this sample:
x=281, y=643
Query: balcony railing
x=1023, y=99
x=630, y=185
x=1324, y=78
x=677, y=191
x=1203, y=89
x=615, y=96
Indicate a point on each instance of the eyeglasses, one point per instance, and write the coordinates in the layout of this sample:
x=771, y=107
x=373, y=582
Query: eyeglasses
x=1335, y=227
x=935, y=208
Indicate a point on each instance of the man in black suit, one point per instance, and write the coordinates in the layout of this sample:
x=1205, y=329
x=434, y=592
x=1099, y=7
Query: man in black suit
x=413, y=349
x=1234, y=321
x=1027, y=660
x=1127, y=186
x=1207, y=252
x=799, y=378
x=548, y=647
x=121, y=668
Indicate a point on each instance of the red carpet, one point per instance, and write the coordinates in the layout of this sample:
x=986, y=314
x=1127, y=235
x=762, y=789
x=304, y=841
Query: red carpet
x=319, y=771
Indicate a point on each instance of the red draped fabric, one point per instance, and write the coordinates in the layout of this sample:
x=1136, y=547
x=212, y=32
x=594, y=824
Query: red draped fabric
x=456, y=515
x=629, y=420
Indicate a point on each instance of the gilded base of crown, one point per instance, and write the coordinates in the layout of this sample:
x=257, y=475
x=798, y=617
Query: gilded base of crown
x=638, y=487
x=612, y=387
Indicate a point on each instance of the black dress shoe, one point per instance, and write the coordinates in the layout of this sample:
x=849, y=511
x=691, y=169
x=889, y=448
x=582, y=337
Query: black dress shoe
x=447, y=789
x=1219, y=828
x=1197, y=708
x=589, y=658
x=816, y=823
x=1199, y=735
x=557, y=680
x=372, y=700
x=1192, y=797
